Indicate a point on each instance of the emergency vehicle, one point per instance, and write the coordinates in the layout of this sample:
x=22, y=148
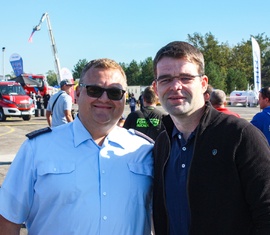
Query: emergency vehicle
x=14, y=102
x=33, y=83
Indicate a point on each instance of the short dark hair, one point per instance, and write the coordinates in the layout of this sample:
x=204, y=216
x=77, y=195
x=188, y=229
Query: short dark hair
x=179, y=49
x=149, y=95
x=265, y=91
x=209, y=89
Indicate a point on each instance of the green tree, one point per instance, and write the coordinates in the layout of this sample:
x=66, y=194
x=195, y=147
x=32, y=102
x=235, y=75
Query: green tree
x=52, y=78
x=147, y=74
x=76, y=72
x=133, y=73
x=215, y=76
x=236, y=80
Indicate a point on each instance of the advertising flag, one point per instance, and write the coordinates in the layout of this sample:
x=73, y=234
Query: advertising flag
x=256, y=64
x=31, y=36
x=16, y=64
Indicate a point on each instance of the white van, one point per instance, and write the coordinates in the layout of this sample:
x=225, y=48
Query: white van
x=246, y=98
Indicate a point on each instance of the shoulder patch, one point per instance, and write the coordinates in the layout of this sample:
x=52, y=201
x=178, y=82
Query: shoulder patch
x=35, y=133
x=142, y=135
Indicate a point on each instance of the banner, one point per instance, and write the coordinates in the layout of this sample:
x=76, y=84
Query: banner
x=256, y=64
x=66, y=74
x=16, y=64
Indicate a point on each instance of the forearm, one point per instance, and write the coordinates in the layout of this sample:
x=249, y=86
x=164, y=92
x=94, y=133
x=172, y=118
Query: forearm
x=7, y=227
x=68, y=116
x=49, y=118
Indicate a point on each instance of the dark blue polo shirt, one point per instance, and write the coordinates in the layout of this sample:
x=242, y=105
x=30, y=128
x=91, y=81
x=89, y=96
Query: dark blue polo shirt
x=176, y=174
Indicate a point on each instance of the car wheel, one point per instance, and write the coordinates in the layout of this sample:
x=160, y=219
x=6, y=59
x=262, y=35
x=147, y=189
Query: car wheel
x=2, y=116
x=26, y=117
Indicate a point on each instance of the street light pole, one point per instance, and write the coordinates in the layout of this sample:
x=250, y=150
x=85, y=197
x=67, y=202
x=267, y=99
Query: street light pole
x=3, y=50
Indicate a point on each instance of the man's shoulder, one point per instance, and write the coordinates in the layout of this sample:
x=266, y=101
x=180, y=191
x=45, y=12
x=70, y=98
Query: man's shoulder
x=38, y=132
x=136, y=135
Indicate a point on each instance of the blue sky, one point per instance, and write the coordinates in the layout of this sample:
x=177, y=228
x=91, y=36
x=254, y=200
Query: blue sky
x=120, y=30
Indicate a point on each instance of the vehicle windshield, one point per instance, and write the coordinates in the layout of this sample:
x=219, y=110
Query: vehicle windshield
x=12, y=90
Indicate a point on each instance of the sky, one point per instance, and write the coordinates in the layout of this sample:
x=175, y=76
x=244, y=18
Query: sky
x=119, y=30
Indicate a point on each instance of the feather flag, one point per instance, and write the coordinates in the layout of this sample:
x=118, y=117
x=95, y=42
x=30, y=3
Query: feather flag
x=256, y=64
x=31, y=36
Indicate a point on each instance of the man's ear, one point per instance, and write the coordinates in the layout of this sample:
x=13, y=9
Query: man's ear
x=154, y=84
x=204, y=83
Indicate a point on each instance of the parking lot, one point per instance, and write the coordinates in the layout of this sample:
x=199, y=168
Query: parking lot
x=12, y=132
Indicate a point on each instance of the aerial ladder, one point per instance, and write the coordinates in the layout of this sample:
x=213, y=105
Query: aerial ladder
x=56, y=59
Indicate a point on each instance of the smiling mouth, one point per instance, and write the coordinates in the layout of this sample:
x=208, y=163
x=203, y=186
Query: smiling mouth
x=102, y=107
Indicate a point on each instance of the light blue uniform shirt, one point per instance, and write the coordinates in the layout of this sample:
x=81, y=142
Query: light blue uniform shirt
x=64, y=102
x=62, y=182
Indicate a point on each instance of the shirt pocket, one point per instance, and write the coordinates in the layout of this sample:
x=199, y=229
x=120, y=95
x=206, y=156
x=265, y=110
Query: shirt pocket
x=141, y=169
x=56, y=182
x=141, y=182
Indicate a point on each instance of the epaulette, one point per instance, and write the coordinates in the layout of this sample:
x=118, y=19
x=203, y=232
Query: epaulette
x=142, y=135
x=35, y=133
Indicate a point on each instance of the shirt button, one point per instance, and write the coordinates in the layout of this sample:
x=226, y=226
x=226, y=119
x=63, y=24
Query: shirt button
x=184, y=148
x=104, y=193
x=54, y=169
x=105, y=217
x=183, y=165
x=103, y=172
x=179, y=137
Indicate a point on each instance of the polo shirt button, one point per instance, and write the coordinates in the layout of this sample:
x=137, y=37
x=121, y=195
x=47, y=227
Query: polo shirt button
x=105, y=217
x=104, y=193
x=184, y=148
x=183, y=165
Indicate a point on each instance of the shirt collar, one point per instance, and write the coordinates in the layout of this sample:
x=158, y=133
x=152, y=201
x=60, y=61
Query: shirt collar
x=117, y=135
x=80, y=132
x=176, y=132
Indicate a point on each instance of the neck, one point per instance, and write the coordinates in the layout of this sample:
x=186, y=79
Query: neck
x=186, y=124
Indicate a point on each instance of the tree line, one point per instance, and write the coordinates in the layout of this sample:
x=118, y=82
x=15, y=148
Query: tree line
x=227, y=67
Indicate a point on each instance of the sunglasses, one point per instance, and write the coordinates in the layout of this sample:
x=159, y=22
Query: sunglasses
x=97, y=91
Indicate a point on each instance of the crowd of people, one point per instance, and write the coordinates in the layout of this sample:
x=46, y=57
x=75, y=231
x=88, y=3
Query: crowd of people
x=195, y=169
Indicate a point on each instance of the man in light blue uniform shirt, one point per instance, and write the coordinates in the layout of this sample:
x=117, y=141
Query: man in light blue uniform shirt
x=86, y=177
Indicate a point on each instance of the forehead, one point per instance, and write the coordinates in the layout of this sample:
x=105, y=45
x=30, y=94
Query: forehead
x=95, y=75
x=173, y=66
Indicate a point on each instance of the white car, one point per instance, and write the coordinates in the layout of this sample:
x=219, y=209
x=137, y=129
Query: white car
x=246, y=98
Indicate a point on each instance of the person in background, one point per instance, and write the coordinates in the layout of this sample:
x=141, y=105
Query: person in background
x=218, y=101
x=208, y=92
x=60, y=105
x=211, y=171
x=147, y=121
x=38, y=101
x=46, y=99
x=86, y=177
x=262, y=119
x=132, y=102
x=141, y=101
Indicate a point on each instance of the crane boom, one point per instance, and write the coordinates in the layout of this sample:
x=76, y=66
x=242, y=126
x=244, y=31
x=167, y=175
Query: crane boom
x=56, y=59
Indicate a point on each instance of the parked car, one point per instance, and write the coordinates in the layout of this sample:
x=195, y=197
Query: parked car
x=246, y=98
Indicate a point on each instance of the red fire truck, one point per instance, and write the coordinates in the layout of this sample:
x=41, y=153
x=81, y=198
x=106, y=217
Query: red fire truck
x=14, y=102
x=33, y=83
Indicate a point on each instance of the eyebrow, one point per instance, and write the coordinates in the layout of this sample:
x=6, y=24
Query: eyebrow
x=180, y=74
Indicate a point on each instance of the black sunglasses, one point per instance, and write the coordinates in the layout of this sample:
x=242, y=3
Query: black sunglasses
x=97, y=91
